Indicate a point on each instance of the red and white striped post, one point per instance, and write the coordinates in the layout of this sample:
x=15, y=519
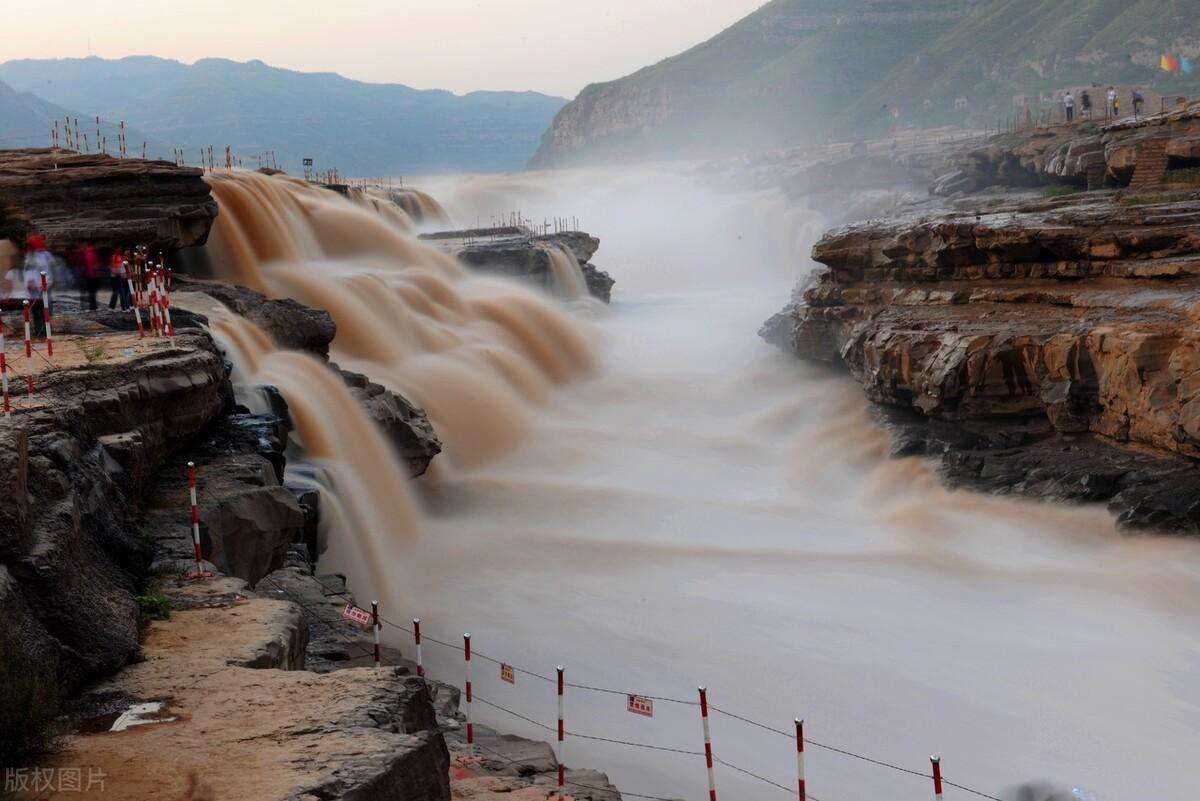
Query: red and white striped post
x=417, y=641
x=4, y=375
x=165, y=300
x=562, y=743
x=46, y=317
x=155, y=317
x=708, y=755
x=470, y=726
x=800, y=756
x=201, y=573
x=137, y=313
x=375, y=629
x=28, y=350
x=936, y=762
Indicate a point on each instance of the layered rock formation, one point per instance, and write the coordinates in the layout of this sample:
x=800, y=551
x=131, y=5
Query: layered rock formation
x=71, y=198
x=75, y=461
x=513, y=252
x=1162, y=148
x=1051, y=342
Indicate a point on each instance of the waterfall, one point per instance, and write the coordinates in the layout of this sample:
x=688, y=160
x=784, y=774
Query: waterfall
x=478, y=353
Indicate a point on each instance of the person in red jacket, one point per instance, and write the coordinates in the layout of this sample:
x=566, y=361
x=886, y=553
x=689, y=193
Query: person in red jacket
x=117, y=282
x=88, y=265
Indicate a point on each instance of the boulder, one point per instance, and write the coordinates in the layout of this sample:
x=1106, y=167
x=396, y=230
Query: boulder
x=404, y=424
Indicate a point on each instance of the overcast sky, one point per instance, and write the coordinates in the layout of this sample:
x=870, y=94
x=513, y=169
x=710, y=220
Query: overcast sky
x=552, y=46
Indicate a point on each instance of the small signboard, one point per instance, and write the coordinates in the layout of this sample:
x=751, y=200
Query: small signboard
x=640, y=705
x=360, y=616
x=507, y=673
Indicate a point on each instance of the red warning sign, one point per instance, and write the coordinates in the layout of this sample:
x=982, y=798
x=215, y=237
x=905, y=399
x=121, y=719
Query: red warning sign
x=640, y=705
x=507, y=673
x=359, y=616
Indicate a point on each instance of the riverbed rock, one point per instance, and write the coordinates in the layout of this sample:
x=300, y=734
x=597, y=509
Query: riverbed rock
x=1079, y=313
x=514, y=252
x=72, y=198
x=403, y=423
x=291, y=325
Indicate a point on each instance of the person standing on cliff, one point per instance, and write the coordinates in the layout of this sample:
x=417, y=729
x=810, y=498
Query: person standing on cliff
x=1069, y=106
x=1085, y=105
x=1112, y=106
x=116, y=279
x=87, y=263
x=1138, y=101
x=37, y=261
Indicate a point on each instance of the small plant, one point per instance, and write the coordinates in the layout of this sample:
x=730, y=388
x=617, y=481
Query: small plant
x=93, y=353
x=1059, y=190
x=152, y=607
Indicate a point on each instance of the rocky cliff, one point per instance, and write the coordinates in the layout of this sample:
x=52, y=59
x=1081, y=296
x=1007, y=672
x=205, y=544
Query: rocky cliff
x=71, y=198
x=1160, y=149
x=1046, y=346
x=785, y=71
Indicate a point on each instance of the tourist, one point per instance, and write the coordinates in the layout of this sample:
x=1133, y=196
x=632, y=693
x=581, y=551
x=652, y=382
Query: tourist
x=1138, y=101
x=12, y=279
x=90, y=271
x=116, y=277
x=1113, y=104
x=38, y=262
x=1085, y=105
x=1069, y=105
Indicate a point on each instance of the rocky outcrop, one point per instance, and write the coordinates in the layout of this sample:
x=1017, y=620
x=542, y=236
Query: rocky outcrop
x=71, y=198
x=1068, y=322
x=515, y=253
x=405, y=425
x=241, y=718
x=1086, y=155
x=291, y=325
x=75, y=459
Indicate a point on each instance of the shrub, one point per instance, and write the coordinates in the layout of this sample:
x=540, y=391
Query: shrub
x=152, y=607
x=1059, y=190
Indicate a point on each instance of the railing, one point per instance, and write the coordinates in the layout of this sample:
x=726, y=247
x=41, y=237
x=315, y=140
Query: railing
x=636, y=702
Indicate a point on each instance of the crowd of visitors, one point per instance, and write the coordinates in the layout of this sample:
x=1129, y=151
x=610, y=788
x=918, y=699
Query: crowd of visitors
x=1112, y=104
x=86, y=269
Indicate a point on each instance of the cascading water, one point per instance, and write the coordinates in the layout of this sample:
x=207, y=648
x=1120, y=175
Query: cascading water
x=565, y=272
x=476, y=352
x=708, y=510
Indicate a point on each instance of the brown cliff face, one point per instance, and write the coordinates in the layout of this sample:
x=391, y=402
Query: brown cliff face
x=70, y=198
x=1088, y=154
x=1041, y=321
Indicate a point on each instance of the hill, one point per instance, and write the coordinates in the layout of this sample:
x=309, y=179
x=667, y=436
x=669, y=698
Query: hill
x=26, y=120
x=797, y=70
x=360, y=128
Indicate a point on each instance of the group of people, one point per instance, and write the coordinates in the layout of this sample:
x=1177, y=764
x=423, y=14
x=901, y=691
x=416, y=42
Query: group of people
x=86, y=268
x=92, y=272
x=1112, y=101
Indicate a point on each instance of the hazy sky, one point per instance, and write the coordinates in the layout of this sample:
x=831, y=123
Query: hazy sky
x=553, y=46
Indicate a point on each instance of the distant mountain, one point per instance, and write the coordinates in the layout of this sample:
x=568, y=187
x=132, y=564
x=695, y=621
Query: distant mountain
x=26, y=121
x=360, y=128
x=801, y=69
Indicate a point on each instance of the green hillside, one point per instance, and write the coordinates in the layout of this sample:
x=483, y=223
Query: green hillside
x=801, y=69
x=360, y=128
x=1014, y=48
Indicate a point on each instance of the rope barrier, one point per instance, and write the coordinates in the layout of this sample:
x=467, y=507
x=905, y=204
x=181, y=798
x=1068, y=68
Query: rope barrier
x=666, y=699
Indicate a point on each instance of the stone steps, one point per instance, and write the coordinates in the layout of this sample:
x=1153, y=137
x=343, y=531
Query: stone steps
x=1151, y=167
